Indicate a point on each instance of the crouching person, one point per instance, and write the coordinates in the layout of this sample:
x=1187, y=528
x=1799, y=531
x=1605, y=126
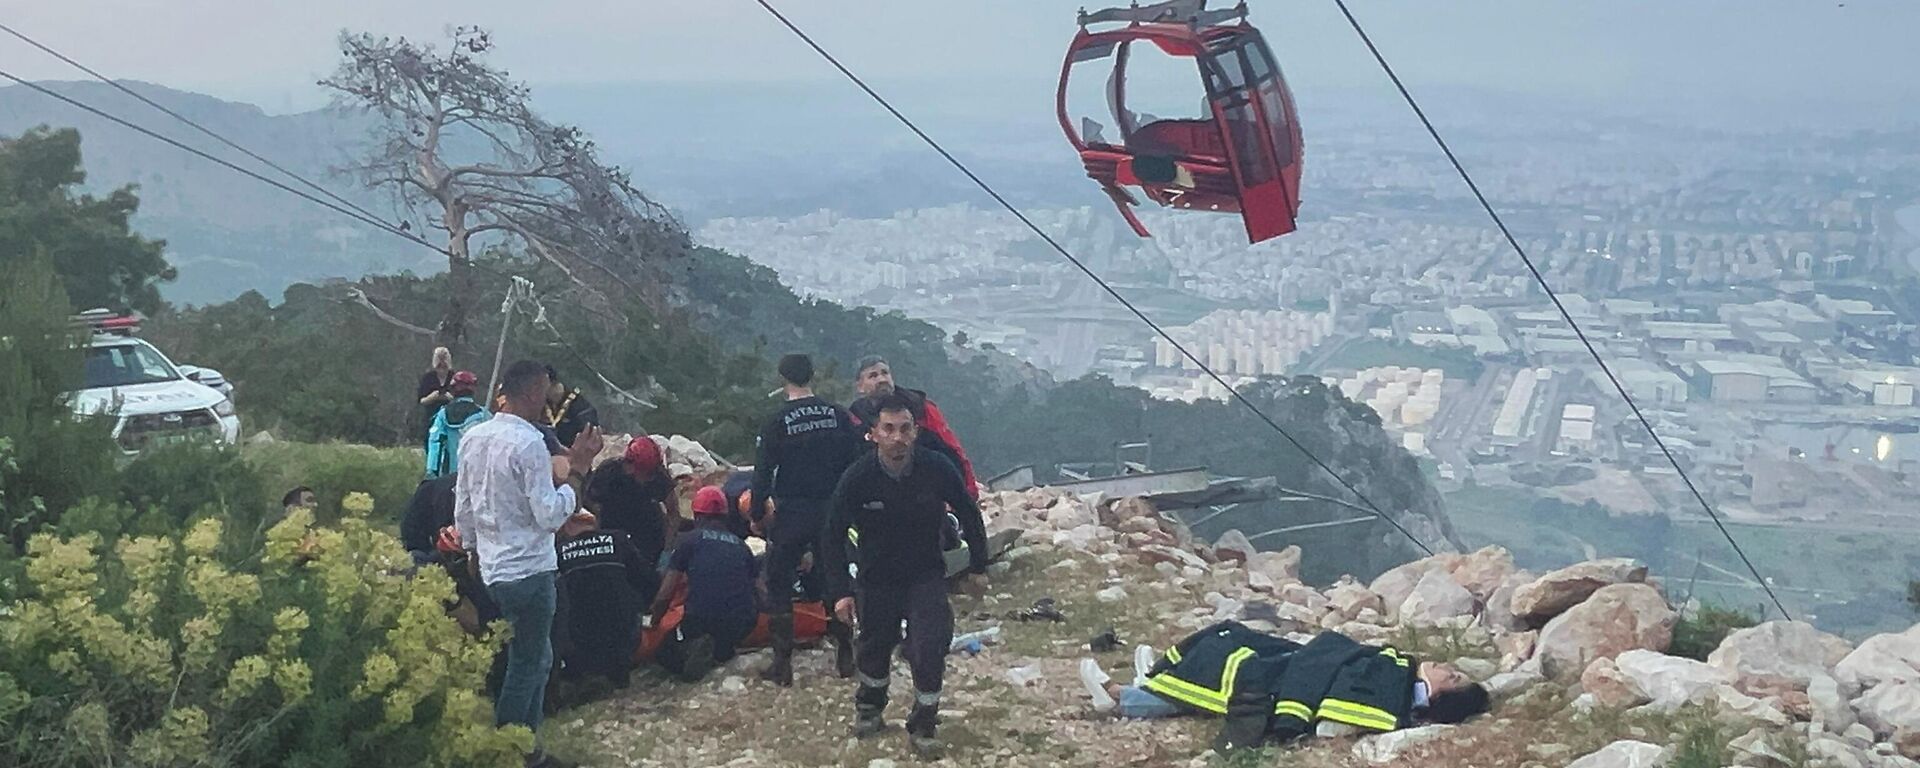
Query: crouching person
x=718, y=573
x=603, y=581
x=1271, y=690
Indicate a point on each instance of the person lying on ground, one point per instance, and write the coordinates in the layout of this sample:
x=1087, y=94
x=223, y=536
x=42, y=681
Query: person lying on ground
x=1272, y=690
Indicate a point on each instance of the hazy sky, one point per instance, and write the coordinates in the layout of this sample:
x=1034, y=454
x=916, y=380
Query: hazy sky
x=270, y=51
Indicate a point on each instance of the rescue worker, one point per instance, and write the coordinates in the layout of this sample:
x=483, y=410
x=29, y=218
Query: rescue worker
x=453, y=419
x=874, y=380
x=568, y=411
x=1270, y=689
x=719, y=572
x=429, y=510
x=897, y=497
x=604, y=585
x=631, y=495
x=803, y=451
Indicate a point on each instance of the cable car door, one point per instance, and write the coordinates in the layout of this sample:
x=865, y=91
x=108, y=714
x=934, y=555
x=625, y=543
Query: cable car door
x=1255, y=112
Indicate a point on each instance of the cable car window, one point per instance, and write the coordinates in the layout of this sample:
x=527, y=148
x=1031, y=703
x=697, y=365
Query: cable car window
x=1159, y=88
x=1227, y=69
x=1276, y=108
x=1249, y=142
x=1089, y=91
x=1257, y=62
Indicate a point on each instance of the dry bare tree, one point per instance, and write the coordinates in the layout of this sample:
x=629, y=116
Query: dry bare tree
x=460, y=146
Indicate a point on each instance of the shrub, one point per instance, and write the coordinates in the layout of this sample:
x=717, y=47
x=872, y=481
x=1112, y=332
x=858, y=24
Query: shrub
x=1699, y=634
x=168, y=488
x=51, y=458
x=335, y=470
x=318, y=651
x=1703, y=742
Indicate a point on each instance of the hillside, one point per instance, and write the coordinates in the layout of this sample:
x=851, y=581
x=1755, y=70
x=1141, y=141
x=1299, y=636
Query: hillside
x=227, y=234
x=708, y=369
x=1577, y=660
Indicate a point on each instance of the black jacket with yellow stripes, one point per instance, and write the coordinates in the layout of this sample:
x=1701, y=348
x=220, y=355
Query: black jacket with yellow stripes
x=1201, y=671
x=1337, y=679
x=1278, y=688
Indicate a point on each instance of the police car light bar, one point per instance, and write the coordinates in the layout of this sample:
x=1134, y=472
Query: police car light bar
x=107, y=321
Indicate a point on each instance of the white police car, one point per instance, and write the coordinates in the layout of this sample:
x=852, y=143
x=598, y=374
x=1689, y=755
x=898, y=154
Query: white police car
x=152, y=401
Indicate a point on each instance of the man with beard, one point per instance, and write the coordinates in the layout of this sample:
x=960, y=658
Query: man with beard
x=874, y=380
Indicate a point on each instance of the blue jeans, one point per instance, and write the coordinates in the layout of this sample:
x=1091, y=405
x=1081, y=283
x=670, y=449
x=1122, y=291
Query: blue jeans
x=528, y=606
x=1142, y=704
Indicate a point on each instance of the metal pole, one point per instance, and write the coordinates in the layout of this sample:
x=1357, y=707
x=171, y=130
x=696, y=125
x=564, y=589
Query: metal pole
x=506, y=321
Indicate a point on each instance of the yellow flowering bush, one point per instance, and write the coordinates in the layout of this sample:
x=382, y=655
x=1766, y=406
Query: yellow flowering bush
x=319, y=648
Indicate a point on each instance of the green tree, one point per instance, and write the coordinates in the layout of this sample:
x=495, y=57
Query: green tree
x=53, y=458
x=99, y=258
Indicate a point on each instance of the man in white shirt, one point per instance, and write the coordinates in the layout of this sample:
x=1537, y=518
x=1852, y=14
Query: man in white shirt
x=508, y=503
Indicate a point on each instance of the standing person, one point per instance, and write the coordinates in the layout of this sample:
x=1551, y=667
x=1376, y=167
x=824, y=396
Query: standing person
x=567, y=411
x=874, y=380
x=433, y=390
x=897, y=496
x=453, y=420
x=631, y=495
x=719, y=572
x=507, y=507
x=803, y=451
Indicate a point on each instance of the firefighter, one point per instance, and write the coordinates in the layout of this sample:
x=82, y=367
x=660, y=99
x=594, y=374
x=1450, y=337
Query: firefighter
x=897, y=497
x=803, y=451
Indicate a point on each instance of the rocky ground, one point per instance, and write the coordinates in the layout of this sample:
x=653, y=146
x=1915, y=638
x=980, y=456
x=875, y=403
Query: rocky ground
x=1575, y=658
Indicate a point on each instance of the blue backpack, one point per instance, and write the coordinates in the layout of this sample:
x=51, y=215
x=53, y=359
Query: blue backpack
x=443, y=438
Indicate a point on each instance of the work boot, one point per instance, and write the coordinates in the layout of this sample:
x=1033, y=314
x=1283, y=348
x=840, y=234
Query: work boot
x=922, y=723
x=842, y=648
x=780, y=632
x=698, y=659
x=869, y=701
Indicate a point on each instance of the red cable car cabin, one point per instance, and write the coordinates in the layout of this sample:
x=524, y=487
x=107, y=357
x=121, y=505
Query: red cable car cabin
x=1242, y=157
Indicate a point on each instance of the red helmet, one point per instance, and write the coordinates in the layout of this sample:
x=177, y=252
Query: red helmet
x=643, y=457
x=463, y=381
x=709, y=501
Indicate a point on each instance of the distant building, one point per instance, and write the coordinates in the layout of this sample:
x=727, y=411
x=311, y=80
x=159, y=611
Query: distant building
x=1668, y=336
x=1576, y=428
x=1752, y=381
x=1884, y=386
x=1470, y=320
x=1647, y=383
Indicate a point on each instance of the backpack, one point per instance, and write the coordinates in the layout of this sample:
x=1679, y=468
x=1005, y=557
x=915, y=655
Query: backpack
x=443, y=438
